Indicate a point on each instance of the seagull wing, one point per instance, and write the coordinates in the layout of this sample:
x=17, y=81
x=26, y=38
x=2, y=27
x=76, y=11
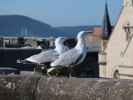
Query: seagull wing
x=43, y=57
x=64, y=49
x=68, y=58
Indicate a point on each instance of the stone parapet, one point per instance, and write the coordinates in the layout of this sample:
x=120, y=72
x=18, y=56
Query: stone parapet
x=50, y=88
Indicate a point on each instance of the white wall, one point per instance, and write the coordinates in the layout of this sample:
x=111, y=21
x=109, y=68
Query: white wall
x=118, y=43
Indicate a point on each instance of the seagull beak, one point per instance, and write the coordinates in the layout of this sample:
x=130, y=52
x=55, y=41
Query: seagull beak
x=86, y=33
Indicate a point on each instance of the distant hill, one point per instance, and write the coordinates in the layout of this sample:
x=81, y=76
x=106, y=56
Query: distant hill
x=18, y=25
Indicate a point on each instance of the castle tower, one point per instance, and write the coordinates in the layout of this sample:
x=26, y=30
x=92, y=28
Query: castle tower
x=106, y=29
x=106, y=26
x=127, y=3
x=105, y=35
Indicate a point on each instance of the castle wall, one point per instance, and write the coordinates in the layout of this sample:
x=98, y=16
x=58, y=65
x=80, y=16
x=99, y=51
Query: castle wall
x=35, y=87
x=119, y=49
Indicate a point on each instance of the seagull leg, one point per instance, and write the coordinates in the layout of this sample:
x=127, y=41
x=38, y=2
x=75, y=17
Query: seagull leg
x=44, y=69
x=35, y=68
x=70, y=70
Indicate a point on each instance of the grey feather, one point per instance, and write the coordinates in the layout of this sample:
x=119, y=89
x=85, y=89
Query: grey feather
x=43, y=57
x=68, y=58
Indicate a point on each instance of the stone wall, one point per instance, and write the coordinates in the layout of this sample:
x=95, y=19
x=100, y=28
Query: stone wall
x=47, y=88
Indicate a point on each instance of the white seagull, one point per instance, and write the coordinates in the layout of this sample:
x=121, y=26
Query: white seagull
x=73, y=56
x=51, y=54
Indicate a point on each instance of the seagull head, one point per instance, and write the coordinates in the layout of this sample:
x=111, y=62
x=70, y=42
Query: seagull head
x=60, y=40
x=81, y=40
x=82, y=34
x=59, y=45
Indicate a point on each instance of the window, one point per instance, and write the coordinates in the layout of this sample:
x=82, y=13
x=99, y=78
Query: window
x=128, y=30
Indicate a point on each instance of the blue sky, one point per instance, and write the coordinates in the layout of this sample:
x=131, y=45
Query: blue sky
x=62, y=12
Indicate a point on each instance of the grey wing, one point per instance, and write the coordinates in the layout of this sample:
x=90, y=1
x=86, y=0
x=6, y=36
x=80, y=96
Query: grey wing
x=62, y=49
x=43, y=57
x=65, y=48
x=67, y=58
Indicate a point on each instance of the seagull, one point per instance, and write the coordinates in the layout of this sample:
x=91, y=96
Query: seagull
x=51, y=54
x=73, y=56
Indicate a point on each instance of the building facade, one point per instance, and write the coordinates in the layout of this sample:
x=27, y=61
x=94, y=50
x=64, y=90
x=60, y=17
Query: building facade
x=118, y=56
x=105, y=35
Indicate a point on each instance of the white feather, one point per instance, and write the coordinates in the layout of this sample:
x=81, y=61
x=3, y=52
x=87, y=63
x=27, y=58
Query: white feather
x=49, y=55
x=71, y=56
